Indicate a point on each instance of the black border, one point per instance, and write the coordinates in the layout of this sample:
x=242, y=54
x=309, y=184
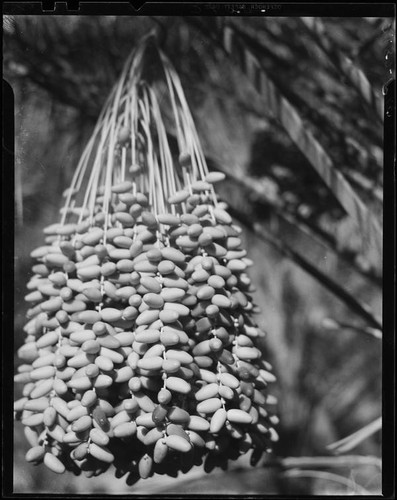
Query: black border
x=7, y=265
x=137, y=8
x=141, y=8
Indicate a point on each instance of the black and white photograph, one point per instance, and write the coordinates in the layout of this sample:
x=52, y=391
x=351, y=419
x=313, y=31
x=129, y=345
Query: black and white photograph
x=198, y=251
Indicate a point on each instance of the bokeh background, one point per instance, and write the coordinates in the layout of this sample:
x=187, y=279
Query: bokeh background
x=318, y=280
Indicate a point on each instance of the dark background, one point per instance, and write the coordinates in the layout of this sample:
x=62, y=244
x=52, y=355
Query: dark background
x=325, y=351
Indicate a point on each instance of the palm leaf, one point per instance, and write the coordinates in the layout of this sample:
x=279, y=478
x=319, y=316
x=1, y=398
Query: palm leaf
x=328, y=476
x=332, y=324
x=363, y=310
x=331, y=119
x=366, y=185
x=288, y=116
x=345, y=65
x=353, y=440
x=329, y=462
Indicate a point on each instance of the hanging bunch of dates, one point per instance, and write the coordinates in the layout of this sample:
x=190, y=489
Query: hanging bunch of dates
x=141, y=346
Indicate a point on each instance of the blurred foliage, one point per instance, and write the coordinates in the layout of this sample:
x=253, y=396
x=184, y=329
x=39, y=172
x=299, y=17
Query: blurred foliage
x=329, y=379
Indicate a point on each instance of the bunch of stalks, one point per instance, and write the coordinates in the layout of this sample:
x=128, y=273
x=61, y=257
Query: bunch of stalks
x=141, y=349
